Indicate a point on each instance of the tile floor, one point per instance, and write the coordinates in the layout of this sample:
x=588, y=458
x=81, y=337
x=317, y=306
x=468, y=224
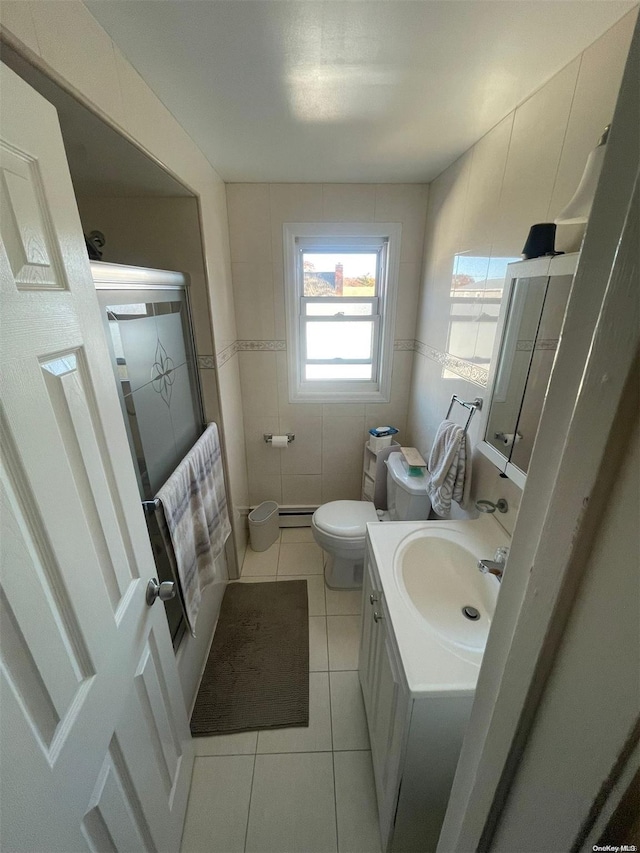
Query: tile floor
x=299, y=790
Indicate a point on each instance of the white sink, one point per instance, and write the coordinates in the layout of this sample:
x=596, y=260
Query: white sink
x=436, y=572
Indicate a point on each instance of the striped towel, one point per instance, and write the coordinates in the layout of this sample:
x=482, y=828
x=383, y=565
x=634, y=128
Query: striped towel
x=450, y=468
x=194, y=520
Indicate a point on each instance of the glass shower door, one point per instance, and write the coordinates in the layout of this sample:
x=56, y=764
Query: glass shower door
x=151, y=343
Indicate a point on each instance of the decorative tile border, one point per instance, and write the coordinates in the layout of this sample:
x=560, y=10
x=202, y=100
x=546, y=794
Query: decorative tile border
x=249, y=346
x=227, y=353
x=206, y=362
x=281, y=346
x=548, y=344
x=543, y=344
x=465, y=369
x=261, y=346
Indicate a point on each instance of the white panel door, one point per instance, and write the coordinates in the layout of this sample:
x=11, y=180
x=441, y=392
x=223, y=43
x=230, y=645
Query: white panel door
x=96, y=751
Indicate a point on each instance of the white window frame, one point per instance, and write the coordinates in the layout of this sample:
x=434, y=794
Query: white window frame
x=313, y=236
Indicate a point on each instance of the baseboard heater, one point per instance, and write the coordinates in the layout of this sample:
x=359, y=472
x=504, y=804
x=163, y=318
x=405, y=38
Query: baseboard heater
x=290, y=516
x=295, y=516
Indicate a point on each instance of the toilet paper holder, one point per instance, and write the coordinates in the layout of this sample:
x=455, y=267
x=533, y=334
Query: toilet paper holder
x=268, y=437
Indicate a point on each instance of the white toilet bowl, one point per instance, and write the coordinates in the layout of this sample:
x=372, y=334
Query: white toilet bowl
x=340, y=528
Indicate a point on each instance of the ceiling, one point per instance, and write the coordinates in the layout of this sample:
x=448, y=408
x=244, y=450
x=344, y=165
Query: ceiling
x=101, y=161
x=346, y=90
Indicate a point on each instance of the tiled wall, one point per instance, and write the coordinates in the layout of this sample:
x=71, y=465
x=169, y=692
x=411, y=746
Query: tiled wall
x=67, y=42
x=523, y=171
x=325, y=461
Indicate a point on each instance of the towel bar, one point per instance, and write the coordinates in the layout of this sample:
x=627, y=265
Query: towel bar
x=472, y=405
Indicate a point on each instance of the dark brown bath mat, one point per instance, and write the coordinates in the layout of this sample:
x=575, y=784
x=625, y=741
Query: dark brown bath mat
x=257, y=673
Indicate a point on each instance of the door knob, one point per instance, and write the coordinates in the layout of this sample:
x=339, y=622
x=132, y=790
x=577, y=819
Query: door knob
x=377, y=616
x=373, y=598
x=164, y=591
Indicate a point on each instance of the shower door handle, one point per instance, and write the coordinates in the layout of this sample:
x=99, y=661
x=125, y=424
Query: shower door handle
x=164, y=591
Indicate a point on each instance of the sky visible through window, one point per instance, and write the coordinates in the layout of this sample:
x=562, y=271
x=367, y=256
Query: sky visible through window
x=479, y=272
x=338, y=275
x=477, y=283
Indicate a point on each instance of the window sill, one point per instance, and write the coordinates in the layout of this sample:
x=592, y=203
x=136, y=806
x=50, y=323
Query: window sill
x=339, y=397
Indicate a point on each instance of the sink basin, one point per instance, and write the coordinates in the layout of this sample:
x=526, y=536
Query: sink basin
x=436, y=573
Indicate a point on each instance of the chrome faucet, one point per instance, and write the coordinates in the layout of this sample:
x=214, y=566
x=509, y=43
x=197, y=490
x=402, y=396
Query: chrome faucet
x=495, y=566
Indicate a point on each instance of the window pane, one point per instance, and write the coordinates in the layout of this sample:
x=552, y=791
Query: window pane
x=338, y=371
x=339, y=273
x=330, y=309
x=339, y=340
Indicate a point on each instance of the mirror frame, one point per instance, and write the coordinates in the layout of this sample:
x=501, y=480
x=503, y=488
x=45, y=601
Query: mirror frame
x=558, y=265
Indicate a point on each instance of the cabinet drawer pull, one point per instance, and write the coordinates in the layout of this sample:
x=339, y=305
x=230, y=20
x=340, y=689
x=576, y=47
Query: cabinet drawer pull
x=373, y=598
x=377, y=616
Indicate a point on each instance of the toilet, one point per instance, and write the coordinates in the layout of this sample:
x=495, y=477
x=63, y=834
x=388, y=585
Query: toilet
x=339, y=527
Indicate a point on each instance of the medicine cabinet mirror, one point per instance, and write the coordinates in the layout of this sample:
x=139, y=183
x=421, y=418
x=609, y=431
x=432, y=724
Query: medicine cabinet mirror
x=533, y=307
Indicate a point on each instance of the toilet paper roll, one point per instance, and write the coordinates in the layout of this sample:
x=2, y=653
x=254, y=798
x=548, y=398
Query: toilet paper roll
x=280, y=441
x=510, y=438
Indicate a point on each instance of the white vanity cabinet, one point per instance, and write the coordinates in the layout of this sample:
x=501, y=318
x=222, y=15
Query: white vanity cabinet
x=415, y=737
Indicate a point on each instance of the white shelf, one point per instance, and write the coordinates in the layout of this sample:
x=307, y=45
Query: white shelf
x=374, y=474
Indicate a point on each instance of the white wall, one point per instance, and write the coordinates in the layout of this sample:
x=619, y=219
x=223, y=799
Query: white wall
x=581, y=715
x=63, y=39
x=522, y=172
x=325, y=461
x=585, y=422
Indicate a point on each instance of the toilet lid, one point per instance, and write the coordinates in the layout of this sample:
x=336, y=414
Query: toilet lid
x=345, y=518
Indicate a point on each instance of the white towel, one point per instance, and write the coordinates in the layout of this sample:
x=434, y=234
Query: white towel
x=194, y=520
x=449, y=468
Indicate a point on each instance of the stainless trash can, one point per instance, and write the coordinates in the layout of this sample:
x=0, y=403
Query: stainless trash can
x=264, y=526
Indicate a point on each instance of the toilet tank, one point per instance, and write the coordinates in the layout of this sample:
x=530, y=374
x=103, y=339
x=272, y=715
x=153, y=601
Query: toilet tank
x=406, y=496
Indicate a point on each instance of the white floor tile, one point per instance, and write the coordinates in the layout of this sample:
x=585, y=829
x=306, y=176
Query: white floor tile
x=318, y=657
x=348, y=719
x=218, y=805
x=300, y=558
x=296, y=534
x=241, y=743
x=357, y=811
x=316, y=737
x=292, y=804
x=261, y=562
x=343, y=634
x=346, y=602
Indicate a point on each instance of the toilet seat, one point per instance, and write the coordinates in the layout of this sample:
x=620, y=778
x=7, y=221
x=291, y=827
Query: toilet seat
x=345, y=519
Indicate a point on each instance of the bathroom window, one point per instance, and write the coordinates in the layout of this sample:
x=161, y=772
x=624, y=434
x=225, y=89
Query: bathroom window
x=341, y=283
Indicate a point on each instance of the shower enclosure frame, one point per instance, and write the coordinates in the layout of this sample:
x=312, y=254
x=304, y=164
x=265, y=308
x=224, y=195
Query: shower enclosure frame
x=131, y=284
